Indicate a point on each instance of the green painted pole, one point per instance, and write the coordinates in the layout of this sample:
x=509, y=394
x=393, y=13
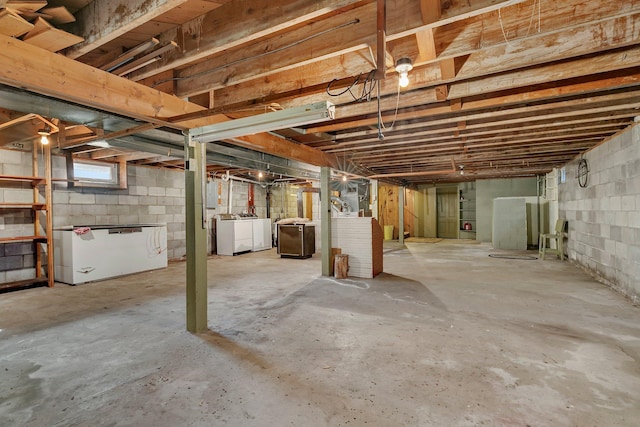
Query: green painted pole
x=196, y=236
x=325, y=218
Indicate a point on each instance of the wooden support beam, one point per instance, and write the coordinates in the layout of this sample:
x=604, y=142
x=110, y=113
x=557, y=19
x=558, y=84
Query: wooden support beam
x=237, y=23
x=37, y=70
x=230, y=24
x=431, y=13
x=588, y=69
x=99, y=22
x=412, y=174
x=381, y=39
x=607, y=62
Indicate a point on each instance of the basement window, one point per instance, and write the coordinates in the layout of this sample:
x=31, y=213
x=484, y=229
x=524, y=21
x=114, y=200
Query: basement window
x=90, y=173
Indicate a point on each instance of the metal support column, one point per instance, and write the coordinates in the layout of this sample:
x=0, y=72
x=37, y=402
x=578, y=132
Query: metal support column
x=401, y=215
x=325, y=218
x=196, y=235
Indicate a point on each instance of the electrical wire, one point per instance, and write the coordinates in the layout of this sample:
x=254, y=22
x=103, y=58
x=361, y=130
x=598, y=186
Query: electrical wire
x=395, y=114
x=369, y=84
x=261, y=55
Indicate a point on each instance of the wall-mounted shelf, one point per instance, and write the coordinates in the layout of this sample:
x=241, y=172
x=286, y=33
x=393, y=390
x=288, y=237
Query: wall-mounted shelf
x=36, y=180
x=35, y=206
x=23, y=239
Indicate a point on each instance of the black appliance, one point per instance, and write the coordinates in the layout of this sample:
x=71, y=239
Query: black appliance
x=296, y=240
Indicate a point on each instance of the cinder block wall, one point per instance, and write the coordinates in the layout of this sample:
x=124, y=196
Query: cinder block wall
x=153, y=195
x=604, y=217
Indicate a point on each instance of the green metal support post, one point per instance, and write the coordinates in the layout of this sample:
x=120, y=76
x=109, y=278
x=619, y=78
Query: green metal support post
x=325, y=218
x=196, y=235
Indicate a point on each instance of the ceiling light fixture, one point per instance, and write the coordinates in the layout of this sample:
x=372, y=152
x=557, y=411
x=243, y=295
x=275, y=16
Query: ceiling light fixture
x=267, y=122
x=461, y=169
x=403, y=66
x=44, y=134
x=344, y=178
x=260, y=174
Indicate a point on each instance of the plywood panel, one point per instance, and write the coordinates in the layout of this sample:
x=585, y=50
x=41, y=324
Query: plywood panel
x=13, y=25
x=52, y=39
x=388, y=209
x=26, y=6
x=510, y=223
x=59, y=15
x=410, y=216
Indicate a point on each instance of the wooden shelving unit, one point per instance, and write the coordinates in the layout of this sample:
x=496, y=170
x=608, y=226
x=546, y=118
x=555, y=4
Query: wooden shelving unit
x=42, y=236
x=467, y=210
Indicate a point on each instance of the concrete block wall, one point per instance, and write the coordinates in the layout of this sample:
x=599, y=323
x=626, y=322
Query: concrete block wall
x=284, y=201
x=153, y=195
x=604, y=217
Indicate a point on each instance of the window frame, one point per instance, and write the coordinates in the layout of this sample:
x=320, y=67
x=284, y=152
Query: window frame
x=118, y=172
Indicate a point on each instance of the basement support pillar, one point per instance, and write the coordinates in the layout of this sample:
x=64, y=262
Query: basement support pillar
x=401, y=215
x=374, y=199
x=196, y=231
x=325, y=218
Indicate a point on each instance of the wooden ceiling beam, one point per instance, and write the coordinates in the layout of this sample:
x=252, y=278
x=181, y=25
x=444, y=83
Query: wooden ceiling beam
x=100, y=22
x=584, y=40
x=346, y=32
x=451, y=131
x=611, y=102
x=237, y=23
x=416, y=113
x=517, y=78
x=621, y=64
x=34, y=69
x=407, y=156
x=567, y=16
x=231, y=24
x=436, y=142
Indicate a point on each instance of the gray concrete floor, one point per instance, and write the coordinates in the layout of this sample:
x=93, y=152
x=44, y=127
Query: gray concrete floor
x=447, y=336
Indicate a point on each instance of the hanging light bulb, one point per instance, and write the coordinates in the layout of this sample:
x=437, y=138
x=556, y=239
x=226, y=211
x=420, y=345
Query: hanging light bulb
x=344, y=178
x=403, y=66
x=44, y=134
x=260, y=174
x=461, y=169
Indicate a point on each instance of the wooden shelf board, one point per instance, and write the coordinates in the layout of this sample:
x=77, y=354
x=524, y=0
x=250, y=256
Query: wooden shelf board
x=22, y=239
x=23, y=283
x=18, y=178
x=37, y=206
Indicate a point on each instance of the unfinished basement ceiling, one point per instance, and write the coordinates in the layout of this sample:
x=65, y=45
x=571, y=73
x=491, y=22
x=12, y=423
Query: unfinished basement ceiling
x=500, y=88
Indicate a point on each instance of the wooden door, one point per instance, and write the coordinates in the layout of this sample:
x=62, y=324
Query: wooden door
x=447, y=205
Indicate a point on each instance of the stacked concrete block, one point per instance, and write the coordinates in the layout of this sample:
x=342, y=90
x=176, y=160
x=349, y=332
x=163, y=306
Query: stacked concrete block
x=604, y=217
x=146, y=200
